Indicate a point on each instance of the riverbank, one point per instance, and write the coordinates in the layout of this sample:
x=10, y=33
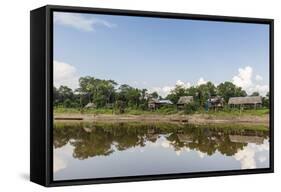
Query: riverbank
x=177, y=118
x=164, y=111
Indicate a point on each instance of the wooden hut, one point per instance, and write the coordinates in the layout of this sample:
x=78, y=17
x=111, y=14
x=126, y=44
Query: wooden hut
x=215, y=102
x=184, y=100
x=152, y=103
x=245, y=102
x=185, y=138
x=155, y=103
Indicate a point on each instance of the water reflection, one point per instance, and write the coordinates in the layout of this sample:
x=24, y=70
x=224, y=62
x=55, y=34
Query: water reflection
x=155, y=148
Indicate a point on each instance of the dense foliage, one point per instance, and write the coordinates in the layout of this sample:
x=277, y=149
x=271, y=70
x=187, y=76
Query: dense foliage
x=107, y=94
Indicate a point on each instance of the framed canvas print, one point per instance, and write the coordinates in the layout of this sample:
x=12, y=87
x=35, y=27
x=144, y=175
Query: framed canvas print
x=120, y=95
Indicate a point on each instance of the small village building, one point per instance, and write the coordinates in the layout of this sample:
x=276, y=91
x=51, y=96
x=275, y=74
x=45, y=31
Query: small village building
x=90, y=106
x=152, y=103
x=215, y=102
x=185, y=138
x=183, y=101
x=155, y=103
x=245, y=102
x=165, y=102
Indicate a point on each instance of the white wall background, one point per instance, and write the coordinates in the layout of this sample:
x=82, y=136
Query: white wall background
x=14, y=93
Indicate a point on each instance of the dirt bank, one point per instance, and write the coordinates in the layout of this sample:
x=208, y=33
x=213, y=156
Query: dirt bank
x=194, y=119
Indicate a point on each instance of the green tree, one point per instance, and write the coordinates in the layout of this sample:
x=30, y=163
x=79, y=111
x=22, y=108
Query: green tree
x=255, y=93
x=265, y=100
x=228, y=89
x=65, y=97
x=205, y=91
x=100, y=92
x=176, y=93
x=154, y=95
x=131, y=96
x=55, y=96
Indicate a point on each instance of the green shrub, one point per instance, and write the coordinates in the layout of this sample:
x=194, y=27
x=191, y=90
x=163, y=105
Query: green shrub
x=191, y=108
x=167, y=109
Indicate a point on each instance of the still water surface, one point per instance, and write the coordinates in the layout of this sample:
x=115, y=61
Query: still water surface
x=98, y=150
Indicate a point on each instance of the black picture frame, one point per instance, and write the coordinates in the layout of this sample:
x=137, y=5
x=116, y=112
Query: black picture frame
x=41, y=113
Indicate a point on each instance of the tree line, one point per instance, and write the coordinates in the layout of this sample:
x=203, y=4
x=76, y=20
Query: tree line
x=108, y=94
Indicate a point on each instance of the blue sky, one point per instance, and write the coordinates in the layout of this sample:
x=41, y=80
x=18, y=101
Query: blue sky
x=158, y=53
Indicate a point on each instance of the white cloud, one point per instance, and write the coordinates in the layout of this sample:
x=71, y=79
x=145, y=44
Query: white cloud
x=249, y=154
x=262, y=89
x=201, y=154
x=244, y=77
x=183, y=84
x=246, y=158
x=262, y=159
x=80, y=22
x=259, y=78
x=246, y=80
x=182, y=150
x=141, y=83
x=165, y=90
x=65, y=74
x=201, y=81
x=59, y=163
x=165, y=144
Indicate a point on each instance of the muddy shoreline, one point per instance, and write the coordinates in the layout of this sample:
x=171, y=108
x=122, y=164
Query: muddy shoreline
x=194, y=119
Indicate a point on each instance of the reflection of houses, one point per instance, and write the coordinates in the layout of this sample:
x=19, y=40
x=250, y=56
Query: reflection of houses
x=245, y=139
x=183, y=101
x=185, y=138
x=151, y=131
x=90, y=106
x=215, y=102
x=87, y=129
x=152, y=134
x=253, y=101
x=152, y=137
x=155, y=103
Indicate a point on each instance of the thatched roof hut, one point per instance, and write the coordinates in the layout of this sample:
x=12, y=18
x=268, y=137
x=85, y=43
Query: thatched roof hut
x=155, y=103
x=185, y=138
x=215, y=102
x=253, y=100
x=90, y=105
x=185, y=100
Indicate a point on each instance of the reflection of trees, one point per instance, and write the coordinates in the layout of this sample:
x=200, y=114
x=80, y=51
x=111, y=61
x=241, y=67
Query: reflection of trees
x=127, y=137
x=210, y=140
x=62, y=135
x=103, y=139
x=228, y=148
x=92, y=145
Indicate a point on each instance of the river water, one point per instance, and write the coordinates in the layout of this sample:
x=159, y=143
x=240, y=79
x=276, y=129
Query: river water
x=99, y=150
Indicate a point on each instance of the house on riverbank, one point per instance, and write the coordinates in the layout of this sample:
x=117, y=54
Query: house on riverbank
x=245, y=102
x=215, y=102
x=155, y=103
x=183, y=101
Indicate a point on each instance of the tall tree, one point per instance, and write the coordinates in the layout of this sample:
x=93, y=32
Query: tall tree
x=255, y=93
x=228, y=89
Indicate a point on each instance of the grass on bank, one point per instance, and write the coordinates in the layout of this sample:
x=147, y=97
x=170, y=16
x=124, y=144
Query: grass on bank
x=163, y=126
x=166, y=110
